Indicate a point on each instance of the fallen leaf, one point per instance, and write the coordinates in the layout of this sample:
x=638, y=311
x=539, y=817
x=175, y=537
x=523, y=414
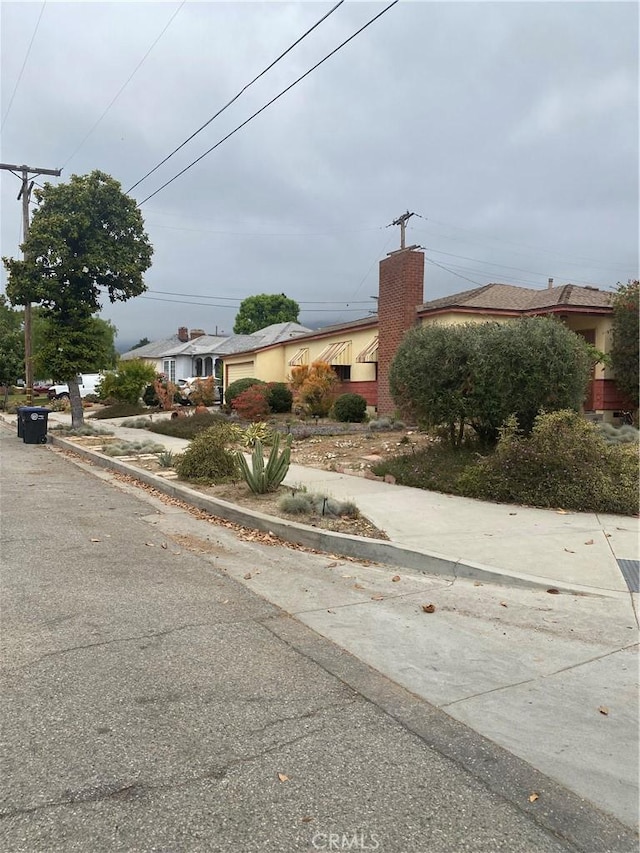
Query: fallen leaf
x=282, y=777
x=358, y=586
x=395, y=578
x=562, y=512
x=247, y=577
x=306, y=819
x=503, y=604
x=429, y=608
x=533, y=797
x=95, y=540
x=331, y=565
x=604, y=710
x=164, y=545
x=150, y=544
x=331, y=611
x=589, y=542
x=553, y=591
x=513, y=513
x=608, y=535
x=347, y=576
x=377, y=597
x=477, y=583
x=569, y=551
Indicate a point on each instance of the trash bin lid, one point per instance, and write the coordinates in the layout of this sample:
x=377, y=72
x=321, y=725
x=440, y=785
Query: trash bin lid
x=28, y=409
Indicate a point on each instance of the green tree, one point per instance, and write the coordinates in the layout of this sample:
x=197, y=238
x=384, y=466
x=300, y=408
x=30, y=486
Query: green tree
x=11, y=346
x=86, y=241
x=256, y=312
x=128, y=382
x=141, y=343
x=103, y=355
x=478, y=375
x=625, y=351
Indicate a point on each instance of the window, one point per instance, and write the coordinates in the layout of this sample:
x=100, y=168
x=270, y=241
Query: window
x=169, y=369
x=197, y=367
x=208, y=367
x=342, y=371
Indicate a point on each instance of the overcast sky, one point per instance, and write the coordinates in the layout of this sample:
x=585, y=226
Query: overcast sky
x=510, y=128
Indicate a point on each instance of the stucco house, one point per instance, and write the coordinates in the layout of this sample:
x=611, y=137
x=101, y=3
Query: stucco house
x=361, y=351
x=194, y=353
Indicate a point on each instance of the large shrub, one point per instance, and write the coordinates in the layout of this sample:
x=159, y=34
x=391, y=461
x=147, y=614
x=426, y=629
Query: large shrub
x=479, y=374
x=350, y=408
x=314, y=387
x=207, y=459
x=186, y=427
x=625, y=349
x=564, y=462
x=237, y=387
x=128, y=382
x=279, y=397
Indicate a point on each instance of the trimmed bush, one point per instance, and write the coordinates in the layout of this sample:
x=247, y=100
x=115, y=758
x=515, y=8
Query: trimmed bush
x=563, y=463
x=119, y=410
x=237, y=387
x=279, y=397
x=207, y=460
x=128, y=383
x=350, y=408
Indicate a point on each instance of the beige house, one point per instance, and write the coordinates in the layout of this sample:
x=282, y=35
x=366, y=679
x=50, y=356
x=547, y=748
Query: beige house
x=361, y=351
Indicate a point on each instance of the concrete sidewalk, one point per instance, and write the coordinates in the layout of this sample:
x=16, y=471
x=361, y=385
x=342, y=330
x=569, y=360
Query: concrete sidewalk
x=570, y=549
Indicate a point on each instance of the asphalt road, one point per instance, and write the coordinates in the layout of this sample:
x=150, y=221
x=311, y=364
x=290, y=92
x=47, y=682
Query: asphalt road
x=151, y=703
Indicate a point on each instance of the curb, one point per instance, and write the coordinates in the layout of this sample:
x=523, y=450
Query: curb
x=359, y=547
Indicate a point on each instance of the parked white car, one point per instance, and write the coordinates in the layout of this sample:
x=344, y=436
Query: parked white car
x=87, y=383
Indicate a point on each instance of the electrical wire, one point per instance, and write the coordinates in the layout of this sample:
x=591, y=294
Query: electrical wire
x=24, y=64
x=269, y=103
x=124, y=85
x=446, y=269
x=241, y=298
x=235, y=97
x=210, y=305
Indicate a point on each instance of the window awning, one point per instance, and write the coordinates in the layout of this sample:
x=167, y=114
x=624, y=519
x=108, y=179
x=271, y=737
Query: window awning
x=370, y=352
x=300, y=357
x=339, y=353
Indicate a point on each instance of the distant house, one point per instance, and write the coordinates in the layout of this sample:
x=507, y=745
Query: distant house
x=195, y=353
x=361, y=351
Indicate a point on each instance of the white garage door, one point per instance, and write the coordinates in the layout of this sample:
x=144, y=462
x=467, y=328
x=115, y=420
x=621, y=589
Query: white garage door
x=241, y=370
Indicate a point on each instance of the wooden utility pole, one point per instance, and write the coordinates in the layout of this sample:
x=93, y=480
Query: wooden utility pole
x=25, y=195
x=402, y=222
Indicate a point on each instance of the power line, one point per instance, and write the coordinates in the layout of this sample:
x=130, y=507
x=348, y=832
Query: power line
x=210, y=305
x=235, y=97
x=24, y=64
x=446, y=269
x=269, y=103
x=241, y=298
x=125, y=84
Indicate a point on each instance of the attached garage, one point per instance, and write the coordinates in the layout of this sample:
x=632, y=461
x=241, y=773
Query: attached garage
x=241, y=370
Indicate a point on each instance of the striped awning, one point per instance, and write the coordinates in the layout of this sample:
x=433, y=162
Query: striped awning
x=300, y=357
x=339, y=353
x=370, y=352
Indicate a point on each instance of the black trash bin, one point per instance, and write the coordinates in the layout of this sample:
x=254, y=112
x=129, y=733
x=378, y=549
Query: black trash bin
x=34, y=424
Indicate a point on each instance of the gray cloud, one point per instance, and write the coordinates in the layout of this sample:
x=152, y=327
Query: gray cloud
x=511, y=127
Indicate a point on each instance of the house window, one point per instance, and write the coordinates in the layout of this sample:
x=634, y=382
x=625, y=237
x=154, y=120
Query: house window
x=198, y=367
x=342, y=371
x=169, y=369
x=208, y=367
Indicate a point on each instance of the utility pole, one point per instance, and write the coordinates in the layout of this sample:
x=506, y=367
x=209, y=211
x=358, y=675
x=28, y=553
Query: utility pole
x=25, y=195
x=402, y=222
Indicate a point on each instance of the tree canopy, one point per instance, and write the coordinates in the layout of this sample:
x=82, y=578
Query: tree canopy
x=625, y=350
x=256, y=312
x=478, y=375
x=11, y=346
x=86, y=241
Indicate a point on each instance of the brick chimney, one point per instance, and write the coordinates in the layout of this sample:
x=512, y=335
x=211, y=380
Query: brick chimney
x=400, y=291
x=183, y=334
x=197, y=333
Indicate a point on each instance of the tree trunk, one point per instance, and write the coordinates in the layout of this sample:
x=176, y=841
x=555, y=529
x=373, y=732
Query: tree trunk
x=77, y=412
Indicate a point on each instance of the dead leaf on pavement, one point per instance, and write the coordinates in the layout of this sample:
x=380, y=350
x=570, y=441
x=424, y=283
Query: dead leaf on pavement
x=513, y=513
x=95, y=540
x=604, y=710
x=306, y=819
x=377, y=597
x=395, y=578
x=164, y=545
x=358, y=586
x=503, y=604
x=247, y=576
x=429, y=608
x=150, y=544
x=553, y=591
x=589, y=542
x=569, y=551
x=282, y=777
x=331, y=565
x=477, y=583
x=562, y=512
x=533, y=797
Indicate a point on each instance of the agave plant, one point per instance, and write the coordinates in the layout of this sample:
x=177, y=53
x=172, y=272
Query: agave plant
x=263, y=478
